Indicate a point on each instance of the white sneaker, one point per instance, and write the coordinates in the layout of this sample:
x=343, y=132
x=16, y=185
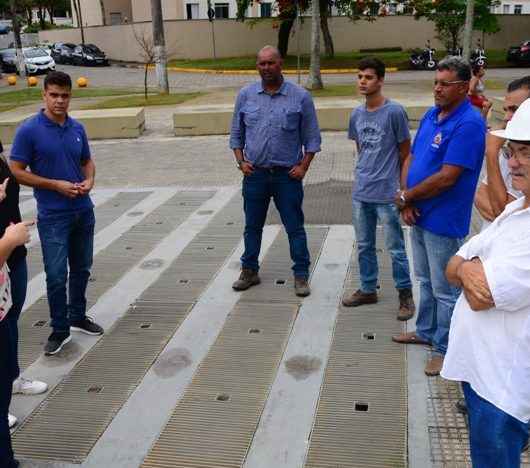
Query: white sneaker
x=12, y=420
x=28, y=387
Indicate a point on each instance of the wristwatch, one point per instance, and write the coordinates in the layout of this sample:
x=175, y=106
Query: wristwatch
x=402, y=197
x=238, y=163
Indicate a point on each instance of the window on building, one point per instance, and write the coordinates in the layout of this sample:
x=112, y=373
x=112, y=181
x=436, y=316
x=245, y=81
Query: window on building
x=115, y=18
x=517, y=9
x=192, y=11
x=265, y=10
x=221, y=10
x=506, y=9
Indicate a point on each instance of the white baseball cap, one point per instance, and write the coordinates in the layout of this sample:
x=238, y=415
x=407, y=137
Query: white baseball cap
x=518, y=128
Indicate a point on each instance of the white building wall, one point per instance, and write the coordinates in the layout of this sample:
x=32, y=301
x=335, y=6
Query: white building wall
x=508, y=7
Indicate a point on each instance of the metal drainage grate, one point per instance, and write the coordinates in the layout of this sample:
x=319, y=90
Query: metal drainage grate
x=361, y=419
x=215, y=421
x=110, y=264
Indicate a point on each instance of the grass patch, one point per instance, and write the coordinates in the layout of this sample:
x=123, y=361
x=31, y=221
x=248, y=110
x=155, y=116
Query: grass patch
x=400, y=59
x=140, y=101
x=27, y=95
x=7, y=107
x=340, y=90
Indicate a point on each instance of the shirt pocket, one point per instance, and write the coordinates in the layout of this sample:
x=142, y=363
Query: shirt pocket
x=250, y=115
x=291, y=120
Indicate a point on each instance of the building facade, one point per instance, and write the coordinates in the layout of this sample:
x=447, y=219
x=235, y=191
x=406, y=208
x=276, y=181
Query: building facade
x=512, y=7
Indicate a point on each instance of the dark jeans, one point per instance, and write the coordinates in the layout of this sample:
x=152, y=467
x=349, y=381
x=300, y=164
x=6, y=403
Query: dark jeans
x=19, y=283
x=496, y=439
x=67, y=239
x=288, y=195
x=8, y=370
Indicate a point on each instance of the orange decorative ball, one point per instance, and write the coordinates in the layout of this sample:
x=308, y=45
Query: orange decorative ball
x=82, y=82
x=32, y=81
x=12, y=80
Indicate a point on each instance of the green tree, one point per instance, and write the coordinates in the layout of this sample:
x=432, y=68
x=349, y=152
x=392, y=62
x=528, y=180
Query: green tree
x=449, y=17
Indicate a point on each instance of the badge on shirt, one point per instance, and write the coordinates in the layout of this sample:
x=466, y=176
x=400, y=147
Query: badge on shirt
x=437, y=140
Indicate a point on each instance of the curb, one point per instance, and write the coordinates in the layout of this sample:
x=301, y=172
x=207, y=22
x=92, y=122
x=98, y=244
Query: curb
x=332, y=71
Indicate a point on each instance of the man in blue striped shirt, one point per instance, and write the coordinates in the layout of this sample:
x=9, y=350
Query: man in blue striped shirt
x=274, y=137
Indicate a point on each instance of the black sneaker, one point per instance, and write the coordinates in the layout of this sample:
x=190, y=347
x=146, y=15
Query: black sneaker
x=55, y=343
x=87, y=325
x=461, y=407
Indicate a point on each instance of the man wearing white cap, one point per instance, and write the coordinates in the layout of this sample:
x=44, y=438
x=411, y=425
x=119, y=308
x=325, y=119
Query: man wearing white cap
x=489, y=338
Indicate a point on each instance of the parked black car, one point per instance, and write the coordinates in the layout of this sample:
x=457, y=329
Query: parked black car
x=8, y=60
x=5, y=29
x=62, y=52
x=519, y=55
x=89, y=54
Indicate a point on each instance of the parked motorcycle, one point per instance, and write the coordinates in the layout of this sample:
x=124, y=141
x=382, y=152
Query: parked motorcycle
x=424, y=59
x=478, y=56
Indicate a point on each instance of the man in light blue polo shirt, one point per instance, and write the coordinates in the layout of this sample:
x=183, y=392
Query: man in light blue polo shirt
x=274, y=137
x=441, y=178
x=55, y=147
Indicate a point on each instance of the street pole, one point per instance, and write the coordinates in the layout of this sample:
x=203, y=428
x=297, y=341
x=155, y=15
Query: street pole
x=160, y=46
x=468, y=29
x=211, y=17
x=18, y=43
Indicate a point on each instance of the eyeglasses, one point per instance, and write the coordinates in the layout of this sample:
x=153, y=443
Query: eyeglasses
x=446, y=84
x=521, y=155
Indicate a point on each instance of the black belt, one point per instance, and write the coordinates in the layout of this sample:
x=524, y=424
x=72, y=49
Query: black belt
x=273, y=169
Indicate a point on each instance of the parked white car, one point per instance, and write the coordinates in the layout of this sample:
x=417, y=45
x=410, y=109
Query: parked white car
x=37, y=60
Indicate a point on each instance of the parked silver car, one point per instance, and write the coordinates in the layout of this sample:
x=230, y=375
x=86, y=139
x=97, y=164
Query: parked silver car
x=37, y=60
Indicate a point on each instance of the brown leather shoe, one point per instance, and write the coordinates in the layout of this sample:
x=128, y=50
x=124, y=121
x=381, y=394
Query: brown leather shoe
x=301, y=287
x=247, y=278
x=434, y=365
x=359, y=298
x=406, y=305
x=409, y=338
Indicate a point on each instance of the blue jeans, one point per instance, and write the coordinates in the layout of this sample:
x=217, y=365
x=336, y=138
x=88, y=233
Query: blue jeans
x=365, y=216
x=67, y=239
x=437, y=295
x=8, y=371
x=496, y=439
x=288, y=195
x=19, y=283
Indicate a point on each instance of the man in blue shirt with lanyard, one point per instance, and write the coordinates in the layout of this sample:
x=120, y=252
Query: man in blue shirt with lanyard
x=274, y=137
x=55, y=147
x=440, y=179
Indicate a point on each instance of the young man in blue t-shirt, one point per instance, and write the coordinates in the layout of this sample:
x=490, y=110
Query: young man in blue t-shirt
x=55, y=148
x=441, y=177
x=381, y=132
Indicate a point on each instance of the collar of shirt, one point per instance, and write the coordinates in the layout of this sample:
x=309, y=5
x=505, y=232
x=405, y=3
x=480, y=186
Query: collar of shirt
x=460, y=109
x=514, y=208
x=282, y=89
x=50, y=123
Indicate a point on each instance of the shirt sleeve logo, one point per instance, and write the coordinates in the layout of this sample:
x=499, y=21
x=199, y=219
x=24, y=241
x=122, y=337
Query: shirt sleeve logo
x=437, y=140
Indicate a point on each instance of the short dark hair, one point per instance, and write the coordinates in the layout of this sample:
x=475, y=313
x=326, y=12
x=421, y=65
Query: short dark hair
x=519, y=83
x=58, y=78
x=374, y=63
x=521, y=142
x=456, y=64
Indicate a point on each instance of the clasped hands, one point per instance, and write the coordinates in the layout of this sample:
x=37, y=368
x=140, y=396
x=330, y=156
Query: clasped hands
x=475, y=285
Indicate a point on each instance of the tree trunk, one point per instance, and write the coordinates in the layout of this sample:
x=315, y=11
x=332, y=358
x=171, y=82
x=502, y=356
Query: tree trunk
x=145, y=79
x=283, y=35
x=18, y=43
x=41, y=15
x=50, y=13
x=326, y=34
x=159, y=42
x=314, y=80
x=103, y=14
x=468, y=29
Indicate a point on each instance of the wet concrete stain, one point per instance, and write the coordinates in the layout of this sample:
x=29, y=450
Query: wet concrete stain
x=69, y=353
x=172, y=362
x=301, y=367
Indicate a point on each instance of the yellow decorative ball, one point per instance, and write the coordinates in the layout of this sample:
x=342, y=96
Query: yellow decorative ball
x=82, y=82
x=32, y=81
x=12, y=80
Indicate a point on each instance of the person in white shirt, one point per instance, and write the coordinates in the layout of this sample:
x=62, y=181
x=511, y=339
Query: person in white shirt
x=489, y=337
x=496, y=189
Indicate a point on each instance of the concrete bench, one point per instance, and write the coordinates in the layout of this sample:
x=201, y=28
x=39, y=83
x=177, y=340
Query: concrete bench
x=99, y=124
x=216, y=119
